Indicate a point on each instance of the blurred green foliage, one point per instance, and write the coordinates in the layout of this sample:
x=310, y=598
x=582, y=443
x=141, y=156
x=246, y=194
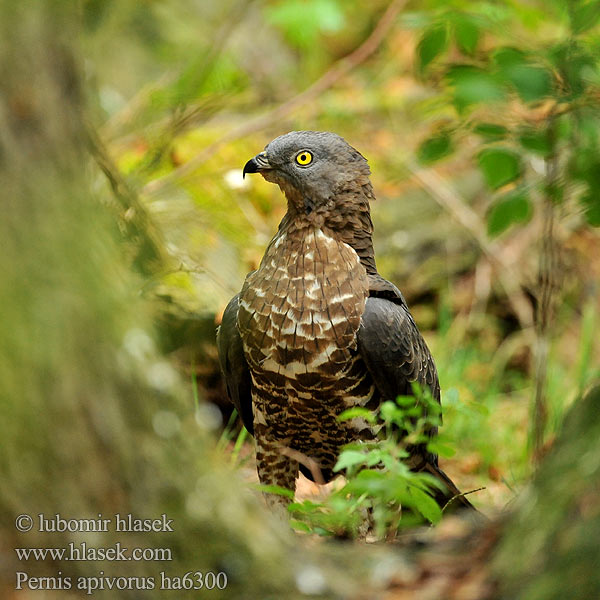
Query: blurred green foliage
x=303, y=22
x=553, y=75
x=548, y=551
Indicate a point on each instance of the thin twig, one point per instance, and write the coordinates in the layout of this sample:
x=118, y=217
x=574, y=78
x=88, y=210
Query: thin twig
x=461, y=495
x=446, y=197
x=160, y=275
x=330, y=78
x=135, y=217
x=310, y=463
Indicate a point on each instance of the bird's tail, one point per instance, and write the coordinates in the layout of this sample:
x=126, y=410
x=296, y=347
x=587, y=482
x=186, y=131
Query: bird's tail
x=452, y=498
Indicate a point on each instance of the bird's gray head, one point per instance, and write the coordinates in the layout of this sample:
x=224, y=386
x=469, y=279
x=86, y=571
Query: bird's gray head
x=311, y=167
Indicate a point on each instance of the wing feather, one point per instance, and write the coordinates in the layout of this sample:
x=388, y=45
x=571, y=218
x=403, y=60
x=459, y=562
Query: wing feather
x=396, y=355
x=233, y=364
x=394, y=350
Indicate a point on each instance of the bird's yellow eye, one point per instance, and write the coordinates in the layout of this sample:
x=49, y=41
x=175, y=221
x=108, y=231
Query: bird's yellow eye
x=304, y=158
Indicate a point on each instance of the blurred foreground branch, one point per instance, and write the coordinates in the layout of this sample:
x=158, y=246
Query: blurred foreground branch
x=547, y=281
x=136, y=221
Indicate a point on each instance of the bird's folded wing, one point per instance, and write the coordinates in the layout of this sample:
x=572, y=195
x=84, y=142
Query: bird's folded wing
x=233, y=364
x=394, y=351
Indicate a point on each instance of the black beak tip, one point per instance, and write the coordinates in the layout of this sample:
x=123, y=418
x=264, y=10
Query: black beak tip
x=250, y=167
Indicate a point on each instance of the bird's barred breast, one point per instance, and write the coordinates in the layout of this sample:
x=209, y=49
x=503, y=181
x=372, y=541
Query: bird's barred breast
x=299, y=315
x=300, y=311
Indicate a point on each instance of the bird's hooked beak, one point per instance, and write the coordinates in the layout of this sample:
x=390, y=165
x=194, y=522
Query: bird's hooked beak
x=257, y=164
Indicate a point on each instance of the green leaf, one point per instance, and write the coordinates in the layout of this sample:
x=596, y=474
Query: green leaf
x=305, y=507
x=585, y=167
x=591, y=203
x=426, y=505
x=499, y=166
x=277, y=490
x=357, y=412
x=300, y=526
x=374, y=483
x=466, y=33
x=435, y=148
x=515, y=207
x=576, y=64
x=375, y=457
x=507, y=57
x=472, y=85
x=303, y=20
x=406, y=400
x=350, y=458
x=433, y=42
x=531, y=82
x=536, y=141
x=444, y=450
x=390, y=412
x=491, y=131
x=584, y=16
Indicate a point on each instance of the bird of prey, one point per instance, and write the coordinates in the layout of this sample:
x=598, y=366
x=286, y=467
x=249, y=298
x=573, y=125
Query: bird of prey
x=315, y=329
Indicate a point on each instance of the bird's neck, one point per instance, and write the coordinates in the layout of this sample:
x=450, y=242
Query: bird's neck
x=345, y=217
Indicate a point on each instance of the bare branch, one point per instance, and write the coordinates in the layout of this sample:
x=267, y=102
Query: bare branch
x=446, y=197
x=462, y=495
x=310, y=463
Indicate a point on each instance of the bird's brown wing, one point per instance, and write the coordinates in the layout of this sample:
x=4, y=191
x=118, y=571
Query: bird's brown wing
x=233, y=364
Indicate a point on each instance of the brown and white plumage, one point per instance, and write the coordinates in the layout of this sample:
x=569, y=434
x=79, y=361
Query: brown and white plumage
x=315, y=329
